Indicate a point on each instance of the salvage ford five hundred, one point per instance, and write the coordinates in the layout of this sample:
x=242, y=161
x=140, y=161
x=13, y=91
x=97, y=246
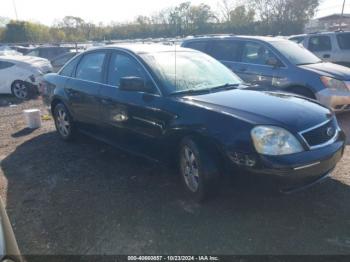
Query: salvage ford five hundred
x=178, y=104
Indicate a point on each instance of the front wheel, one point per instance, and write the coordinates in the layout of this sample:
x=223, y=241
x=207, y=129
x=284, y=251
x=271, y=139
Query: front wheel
x=199, y=170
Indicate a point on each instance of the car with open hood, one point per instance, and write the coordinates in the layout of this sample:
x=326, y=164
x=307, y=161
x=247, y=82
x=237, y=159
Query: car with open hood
x=274, y=63
x=178, y=104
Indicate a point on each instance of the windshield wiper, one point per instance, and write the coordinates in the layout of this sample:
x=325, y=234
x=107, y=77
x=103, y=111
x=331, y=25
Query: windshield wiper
x=311, y=63
x=224, y=87
x=206, y=90
x=190, y=91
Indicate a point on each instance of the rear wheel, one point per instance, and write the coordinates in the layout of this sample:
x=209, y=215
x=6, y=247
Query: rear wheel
x=63, y=122
x=20, y=89
x=199, y=170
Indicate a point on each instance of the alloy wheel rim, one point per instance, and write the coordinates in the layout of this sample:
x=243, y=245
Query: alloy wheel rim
x=190, y=169
x=62, y=123
x=20, y=90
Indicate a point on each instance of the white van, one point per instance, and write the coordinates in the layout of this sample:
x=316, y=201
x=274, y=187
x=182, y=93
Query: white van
x=329, y=46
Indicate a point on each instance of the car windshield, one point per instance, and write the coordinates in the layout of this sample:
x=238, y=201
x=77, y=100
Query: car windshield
x=295, y=53
x=186, y=71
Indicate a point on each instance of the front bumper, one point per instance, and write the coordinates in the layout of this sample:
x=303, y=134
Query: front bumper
x=297, y=171
x=339, y=101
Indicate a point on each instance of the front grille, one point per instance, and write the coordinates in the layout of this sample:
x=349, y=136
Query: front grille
x=321, y=134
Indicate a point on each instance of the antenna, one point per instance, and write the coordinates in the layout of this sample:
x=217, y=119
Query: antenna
x=175, y=66
x=15, y=8
x=341, y=16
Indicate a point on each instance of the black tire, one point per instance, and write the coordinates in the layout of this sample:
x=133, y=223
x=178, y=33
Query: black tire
x=64, y=122
x=303, y=92
x=204, y=165
x=21, y=90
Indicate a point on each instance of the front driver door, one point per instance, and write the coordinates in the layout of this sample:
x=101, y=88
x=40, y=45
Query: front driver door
x=253, y=67
x=130, y=115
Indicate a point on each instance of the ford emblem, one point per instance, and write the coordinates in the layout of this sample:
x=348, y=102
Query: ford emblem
x=330, y=131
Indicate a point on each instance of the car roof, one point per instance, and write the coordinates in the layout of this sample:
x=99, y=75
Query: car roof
x=320, y=33
x=145, y=48
x=21, y=59
x=237, y=37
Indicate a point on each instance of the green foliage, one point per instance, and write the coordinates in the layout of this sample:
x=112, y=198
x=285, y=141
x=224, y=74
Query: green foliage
x=259, y=17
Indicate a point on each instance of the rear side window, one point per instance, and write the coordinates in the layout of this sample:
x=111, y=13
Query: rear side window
x=344, y=40
x=5, y=64
x=226, y=50
x=90, y=67
x=197, y=45
x=320, y=43
x=123, y=66
x=68, y=69
x=297, y=39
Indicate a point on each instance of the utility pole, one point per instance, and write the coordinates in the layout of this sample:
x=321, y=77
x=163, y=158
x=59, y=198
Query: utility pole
x=15, y=8
x=341, y=16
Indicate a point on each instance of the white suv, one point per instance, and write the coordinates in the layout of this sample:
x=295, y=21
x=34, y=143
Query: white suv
x=329, y=46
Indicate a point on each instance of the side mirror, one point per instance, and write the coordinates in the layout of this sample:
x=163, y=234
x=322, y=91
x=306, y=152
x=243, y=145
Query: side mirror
x=272, y=61
x=133, y=83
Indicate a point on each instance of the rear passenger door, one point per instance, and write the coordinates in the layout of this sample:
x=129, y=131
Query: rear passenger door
x=253, y=66
x=84, y=87
x=227, y=52
x=321, y=45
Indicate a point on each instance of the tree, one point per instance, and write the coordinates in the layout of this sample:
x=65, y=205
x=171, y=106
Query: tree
x=284, y=16
x=21, y=31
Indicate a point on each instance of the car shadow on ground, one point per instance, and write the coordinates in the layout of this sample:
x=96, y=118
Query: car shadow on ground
x=87, y=198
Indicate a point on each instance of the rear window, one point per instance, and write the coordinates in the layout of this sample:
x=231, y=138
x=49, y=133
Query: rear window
x=297, y=39
x=344, y=40
x=5, y=64
x=197, y=45
x=226, y=50
x=320, y=43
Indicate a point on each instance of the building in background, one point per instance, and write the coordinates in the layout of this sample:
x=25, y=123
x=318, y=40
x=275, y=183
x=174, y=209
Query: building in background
x=328, y=23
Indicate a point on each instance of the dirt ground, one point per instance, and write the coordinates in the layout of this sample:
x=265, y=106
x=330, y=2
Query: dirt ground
x=88, y=198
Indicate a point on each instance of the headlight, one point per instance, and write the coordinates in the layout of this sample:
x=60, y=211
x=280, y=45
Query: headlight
x=334, y=84
x=273, y=140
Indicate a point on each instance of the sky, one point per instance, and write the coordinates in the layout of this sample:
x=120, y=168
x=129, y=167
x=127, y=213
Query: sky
x=106, y=11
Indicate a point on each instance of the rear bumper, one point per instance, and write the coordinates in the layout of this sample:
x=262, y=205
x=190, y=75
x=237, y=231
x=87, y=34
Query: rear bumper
x=339, y=101
x=299, y=171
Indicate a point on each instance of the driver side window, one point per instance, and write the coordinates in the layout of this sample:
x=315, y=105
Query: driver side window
x=255, y=53
x=123, y=66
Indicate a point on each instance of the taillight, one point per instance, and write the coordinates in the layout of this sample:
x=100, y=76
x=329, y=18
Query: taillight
x=42, y=88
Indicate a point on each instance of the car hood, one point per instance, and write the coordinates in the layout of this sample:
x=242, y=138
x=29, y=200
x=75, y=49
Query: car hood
x=329, y=69
x=268, y=108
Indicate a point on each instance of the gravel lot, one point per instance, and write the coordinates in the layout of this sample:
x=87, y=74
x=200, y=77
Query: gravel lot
x=88, y=198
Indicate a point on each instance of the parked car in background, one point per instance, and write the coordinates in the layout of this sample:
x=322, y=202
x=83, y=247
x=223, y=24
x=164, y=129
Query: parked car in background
x=48, y=52
x=59, y=61
x=20, y=75
x=279, y=64
x=6, y=50
x=329, y=46
x=195, y=112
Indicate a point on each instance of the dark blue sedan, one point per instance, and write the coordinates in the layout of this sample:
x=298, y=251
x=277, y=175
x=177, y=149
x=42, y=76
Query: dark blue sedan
x=182, y=105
